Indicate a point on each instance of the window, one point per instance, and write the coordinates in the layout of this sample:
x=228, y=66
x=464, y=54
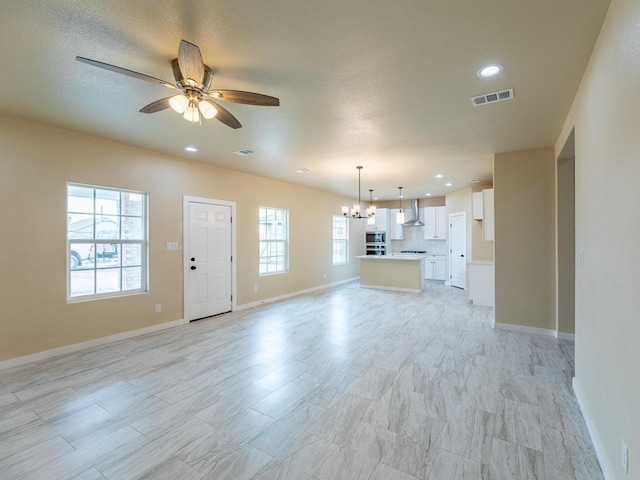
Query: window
x=340, y=240
x=106, y=242
x=274, y=233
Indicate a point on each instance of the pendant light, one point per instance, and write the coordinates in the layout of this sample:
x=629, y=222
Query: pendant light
x=355, y=211
x=400, y=214
x=371, y=210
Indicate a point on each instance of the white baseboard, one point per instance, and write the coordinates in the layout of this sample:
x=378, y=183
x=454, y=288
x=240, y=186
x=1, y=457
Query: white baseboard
x=245, y=306
x=566, y=336
x=592, y=432
x=536, y=331
x=47, y=354
x=521, y=328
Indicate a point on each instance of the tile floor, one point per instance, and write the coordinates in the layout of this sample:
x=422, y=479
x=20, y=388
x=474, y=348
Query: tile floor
x=345, y=383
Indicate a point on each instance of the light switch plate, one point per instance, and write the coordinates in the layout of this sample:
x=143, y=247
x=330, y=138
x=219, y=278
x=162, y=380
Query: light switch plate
x=172, y=246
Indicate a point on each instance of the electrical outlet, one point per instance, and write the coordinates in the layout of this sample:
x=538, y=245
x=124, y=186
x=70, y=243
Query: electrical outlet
x=624, y=456
x=255, y=289
x=158, y=307
x=324, y=275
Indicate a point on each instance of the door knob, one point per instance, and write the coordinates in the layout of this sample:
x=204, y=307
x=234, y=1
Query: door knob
x=462, y=255
x=193, y=267
x=193, y=259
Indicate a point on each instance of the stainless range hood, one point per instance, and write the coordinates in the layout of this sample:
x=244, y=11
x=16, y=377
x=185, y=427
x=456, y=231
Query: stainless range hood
x=412, y=214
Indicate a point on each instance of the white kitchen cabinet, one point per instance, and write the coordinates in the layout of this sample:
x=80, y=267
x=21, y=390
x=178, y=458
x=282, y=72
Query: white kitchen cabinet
x=435, y=223
x=487, y=214
x=381, y=220
x=434, y=267
x=395, y=228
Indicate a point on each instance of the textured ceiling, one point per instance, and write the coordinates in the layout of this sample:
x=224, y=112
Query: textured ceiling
x=381, y=84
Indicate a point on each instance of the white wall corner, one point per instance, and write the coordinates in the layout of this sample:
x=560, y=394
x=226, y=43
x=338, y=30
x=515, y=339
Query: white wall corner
x=592, y=432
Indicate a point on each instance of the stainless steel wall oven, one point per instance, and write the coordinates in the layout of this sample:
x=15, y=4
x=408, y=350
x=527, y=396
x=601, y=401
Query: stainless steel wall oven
x=376, y=243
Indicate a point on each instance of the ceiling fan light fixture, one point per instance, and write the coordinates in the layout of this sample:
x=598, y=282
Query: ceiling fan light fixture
x=179, y=103
x=207, y=109
x=192, y=114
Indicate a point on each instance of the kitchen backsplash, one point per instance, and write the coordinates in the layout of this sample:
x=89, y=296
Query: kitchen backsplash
x=414, y=240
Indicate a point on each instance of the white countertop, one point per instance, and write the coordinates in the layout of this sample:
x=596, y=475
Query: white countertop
x=395, y=256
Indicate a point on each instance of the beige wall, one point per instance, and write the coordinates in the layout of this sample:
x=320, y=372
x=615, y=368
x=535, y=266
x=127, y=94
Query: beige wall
x=606, y=117
x=37, y=161
x=524, y=193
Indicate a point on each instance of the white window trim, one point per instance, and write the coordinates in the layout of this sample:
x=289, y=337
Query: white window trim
x=343, y=240
x=284, y=241
x=144, y=243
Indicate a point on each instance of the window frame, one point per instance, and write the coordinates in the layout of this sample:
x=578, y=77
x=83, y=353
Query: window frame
x=344, y=240
x=120, y=242
x=266, y=242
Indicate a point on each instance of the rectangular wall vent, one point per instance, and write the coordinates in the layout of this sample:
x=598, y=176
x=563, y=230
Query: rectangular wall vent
x=492, y=97
x=244, y=153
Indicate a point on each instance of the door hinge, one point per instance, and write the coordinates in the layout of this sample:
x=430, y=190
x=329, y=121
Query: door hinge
x=232, y=298
x=231, y=258
x=230, y=219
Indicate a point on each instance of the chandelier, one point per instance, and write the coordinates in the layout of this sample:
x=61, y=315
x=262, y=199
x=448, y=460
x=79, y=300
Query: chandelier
x=355, y=211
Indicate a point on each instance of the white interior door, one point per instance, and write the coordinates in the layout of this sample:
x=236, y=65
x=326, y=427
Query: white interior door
x=458, y=249
x=208, y=260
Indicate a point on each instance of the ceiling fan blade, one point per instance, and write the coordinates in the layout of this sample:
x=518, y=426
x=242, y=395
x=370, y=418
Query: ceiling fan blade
x=248, y=98
x=124, y=71
x=156, y=106
x=190, y=61
x=225, y=116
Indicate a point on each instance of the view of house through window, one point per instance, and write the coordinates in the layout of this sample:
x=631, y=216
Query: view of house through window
x=106, y=241
x=274, y=233
x=340, y=240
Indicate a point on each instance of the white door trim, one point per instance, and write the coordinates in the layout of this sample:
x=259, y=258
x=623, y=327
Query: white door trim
x=186, y=199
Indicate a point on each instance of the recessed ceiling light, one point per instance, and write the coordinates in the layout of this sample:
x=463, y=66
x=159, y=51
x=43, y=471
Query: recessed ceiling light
x=303, y=170
x=449, y=184
x=439, y=175
x=490, y=70
x=191, y=149
x=427, y=194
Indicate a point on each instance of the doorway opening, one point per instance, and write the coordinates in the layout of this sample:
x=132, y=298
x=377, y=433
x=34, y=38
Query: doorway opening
x=458, y=249
x=565, y=241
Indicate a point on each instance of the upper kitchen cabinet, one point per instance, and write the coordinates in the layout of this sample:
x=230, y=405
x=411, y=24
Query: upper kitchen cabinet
x=435, y=223
x=395, y=228
x=482, y=209
x=381, y=220
x=476, y=206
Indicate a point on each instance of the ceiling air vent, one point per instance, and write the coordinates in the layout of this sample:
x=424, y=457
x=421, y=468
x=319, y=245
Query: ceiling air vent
x=244, y=153
x=492, y=97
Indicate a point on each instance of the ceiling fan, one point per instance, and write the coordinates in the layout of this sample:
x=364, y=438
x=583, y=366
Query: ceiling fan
x=193, y=80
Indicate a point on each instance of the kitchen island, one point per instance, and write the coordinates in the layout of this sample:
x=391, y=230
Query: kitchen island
x=398, y=272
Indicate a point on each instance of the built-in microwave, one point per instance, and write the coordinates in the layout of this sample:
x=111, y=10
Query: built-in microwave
x=376, y=237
